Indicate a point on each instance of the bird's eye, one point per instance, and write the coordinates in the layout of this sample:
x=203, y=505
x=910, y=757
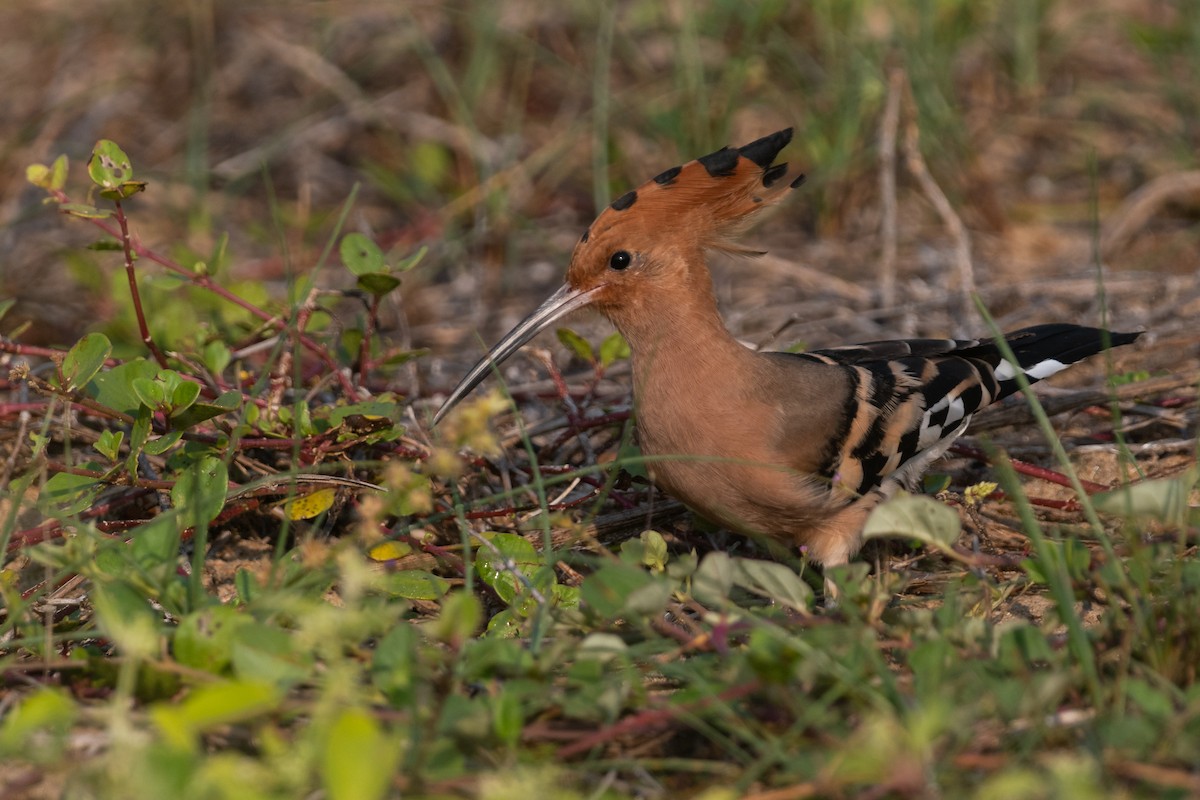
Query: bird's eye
x=620, y=260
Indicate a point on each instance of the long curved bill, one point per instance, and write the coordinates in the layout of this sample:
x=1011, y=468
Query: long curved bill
x=558, y=305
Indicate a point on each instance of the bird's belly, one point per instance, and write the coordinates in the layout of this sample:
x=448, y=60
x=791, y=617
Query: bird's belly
x=745, y=487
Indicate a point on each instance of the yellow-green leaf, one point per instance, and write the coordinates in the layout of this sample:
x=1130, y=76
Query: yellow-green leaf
x=310, y=505
x=359, y=758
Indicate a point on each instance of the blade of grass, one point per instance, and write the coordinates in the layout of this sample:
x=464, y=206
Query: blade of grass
x=1126, y=458
x=1055, y=570
x=1060, y=453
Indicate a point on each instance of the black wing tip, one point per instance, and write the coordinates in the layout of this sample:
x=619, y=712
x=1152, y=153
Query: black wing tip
x=763, y=151
x=1119, y=338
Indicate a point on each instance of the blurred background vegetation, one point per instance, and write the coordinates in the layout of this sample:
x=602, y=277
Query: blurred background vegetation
x=491, y=131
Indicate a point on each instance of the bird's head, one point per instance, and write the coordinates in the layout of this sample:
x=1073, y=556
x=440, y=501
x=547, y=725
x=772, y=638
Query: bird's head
x=648, y=246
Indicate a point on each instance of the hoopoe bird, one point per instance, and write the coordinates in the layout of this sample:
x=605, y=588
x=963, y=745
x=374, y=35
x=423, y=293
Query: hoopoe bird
x=798, y=447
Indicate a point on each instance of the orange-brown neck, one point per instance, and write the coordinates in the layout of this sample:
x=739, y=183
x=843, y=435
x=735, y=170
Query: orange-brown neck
x=678, y=340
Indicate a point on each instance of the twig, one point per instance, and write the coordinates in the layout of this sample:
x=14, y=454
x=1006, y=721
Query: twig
x=958, y=231
x=1019, y=414
x=653, y=719
x=887, y=187
x=131, y=274
x=564, y=395
x=1137, y=209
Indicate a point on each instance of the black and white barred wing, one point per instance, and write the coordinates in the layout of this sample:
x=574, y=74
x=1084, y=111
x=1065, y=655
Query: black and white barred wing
x=913, y=398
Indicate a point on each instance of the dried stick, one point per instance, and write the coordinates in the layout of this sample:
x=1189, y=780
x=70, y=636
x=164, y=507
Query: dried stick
x=887, y=187
x=958, y=231
x=1137, y=209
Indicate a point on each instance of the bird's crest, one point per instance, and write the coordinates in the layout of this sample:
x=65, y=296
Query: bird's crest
x=709, y=200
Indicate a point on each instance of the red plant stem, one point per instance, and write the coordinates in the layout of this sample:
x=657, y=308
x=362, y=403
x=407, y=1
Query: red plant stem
x=588, y=424
x=364, y=348
x=141, y=483
x=131, y=274
x=8, y=409
x=78, y=400
x=652, y=719
x=52, y=528
x=1070, y=504
x=1032, y=470
x=9, y=346
x=590, y=480
x=564, y=396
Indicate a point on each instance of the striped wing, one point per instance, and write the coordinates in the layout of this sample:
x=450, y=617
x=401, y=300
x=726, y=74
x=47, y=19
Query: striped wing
x=912, y=398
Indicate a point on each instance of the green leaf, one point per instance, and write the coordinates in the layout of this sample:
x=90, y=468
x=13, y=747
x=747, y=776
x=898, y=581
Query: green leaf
x=214, y=705
x=935, y=482
x=217, y=356
x=5, y=305
x=370, y=408
x=184, y=395
x=58, y=172
x=45, y=709
x=127, y=618
x=648, y=550
x=200, y=491
x=508, y=718
x=264, y=652
x=459, y=620
x=150, y=392
x=1162, y=499
x=109, y=444
x=1070, y=554
x=1154, y=701
x=65, y=495
x=576, y=344
x=412, y=261
x=360, y=255
x=109, y=167
x=513, y=554
x=123, y=190
x=774, y=581
x=713, y=579
x=113, y=388
x=377, y=283
x=84, y=360
x=157, y=542
x=631, y=459
x=358, y=758
x=395, y=661
x=404, y=356
x=53, y=177
x=204, y=639
x=413, y=584
x=38, y=175
x=432, y=162
x=85, y=211
x=613, y=348
x=161, y=444
x=202, y=412
x=621, y=588
x=139, y=434
x=917, y=517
